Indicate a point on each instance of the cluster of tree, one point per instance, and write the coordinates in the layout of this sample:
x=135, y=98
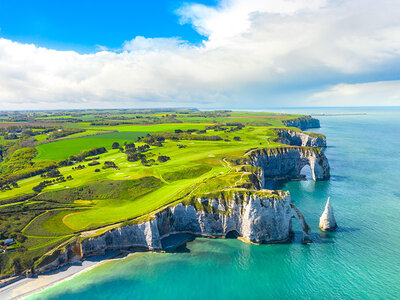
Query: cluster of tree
x=143, y=148
x=109, y=164
x=228, y=127
x=92, y=158
x=135, y=156
x=163, y=158
x=18, y=165
x=6, y=186
x=146, y=162
x=38, y=188
x=181, y=146
x=235, y=126
x=211, y=114
x=80, y=167
x=154, y=140
x=181, y=136
x=53, y=173
x=190, y=131
x=11, y=136
x=63, y=133
x=83, y=154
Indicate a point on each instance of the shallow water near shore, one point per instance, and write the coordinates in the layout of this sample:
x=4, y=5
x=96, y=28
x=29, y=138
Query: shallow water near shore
x=359, y=261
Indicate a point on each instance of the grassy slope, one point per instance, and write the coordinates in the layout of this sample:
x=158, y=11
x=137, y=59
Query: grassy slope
x=197, y=168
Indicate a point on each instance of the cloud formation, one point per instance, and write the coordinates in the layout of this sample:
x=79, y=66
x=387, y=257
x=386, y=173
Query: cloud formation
x=257, y=53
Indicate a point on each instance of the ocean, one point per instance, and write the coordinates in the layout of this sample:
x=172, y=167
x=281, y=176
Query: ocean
x=361, y=260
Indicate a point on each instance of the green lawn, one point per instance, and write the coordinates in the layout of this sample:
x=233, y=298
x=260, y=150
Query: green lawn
x=64, y=148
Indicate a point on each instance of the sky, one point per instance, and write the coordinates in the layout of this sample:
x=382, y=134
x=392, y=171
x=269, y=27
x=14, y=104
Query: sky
x=209, y=54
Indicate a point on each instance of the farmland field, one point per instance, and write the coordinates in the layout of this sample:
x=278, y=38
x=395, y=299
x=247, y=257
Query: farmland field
x=64, y=148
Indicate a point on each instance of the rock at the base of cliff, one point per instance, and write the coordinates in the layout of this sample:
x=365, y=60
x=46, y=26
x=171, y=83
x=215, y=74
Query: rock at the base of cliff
x=327, y=220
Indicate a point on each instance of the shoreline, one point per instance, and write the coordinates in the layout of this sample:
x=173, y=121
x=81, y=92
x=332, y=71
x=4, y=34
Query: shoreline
x=28, y=286
x=24, y=287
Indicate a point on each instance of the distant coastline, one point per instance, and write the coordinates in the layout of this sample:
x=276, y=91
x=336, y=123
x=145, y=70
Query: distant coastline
x=338, y=114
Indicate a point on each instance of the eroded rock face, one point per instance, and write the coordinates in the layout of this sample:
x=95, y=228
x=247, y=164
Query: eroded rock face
x=303, y=123
x=327, y=220
x=256, y=218
x=287, y=163
x=294, y=138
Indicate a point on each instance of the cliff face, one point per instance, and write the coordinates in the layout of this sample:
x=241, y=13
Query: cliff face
x=255, y=217
x=287, y=163
x=294, y=138
x=302, y=123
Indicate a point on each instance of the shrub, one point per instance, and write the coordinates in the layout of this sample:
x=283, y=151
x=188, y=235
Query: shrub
x=109, y=164
x=52, y=174
x=134, y=156
x=163, y=158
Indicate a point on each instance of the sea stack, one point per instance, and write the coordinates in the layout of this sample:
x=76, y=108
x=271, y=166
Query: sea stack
x=327, y=220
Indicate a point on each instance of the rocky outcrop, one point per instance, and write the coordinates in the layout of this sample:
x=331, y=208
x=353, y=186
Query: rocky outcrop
x=70, y=253
x=297, y=138
x=258, y=217
x=302, y=123
x=327, y=220
x=287, y=162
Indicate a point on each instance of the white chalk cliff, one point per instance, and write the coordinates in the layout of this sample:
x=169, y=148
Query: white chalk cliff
x=298, y=138
x=258, y=217
x=287, y=162
x=327, y=220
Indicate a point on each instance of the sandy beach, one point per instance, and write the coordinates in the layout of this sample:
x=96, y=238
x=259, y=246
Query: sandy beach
x=28, y=286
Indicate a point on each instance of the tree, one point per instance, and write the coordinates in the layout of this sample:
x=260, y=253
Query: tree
x=237, y=138
x=130, y=146
x=115, y=145
x=163, y=158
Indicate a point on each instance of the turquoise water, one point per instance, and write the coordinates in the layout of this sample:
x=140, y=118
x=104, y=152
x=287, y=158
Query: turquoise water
x=359, y=261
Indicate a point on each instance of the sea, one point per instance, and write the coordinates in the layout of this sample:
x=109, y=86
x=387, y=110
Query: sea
x=361, y=260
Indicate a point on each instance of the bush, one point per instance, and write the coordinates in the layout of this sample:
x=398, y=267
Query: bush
x=163, y=158
x=93, y=163
x=109, y=164
x=52, y=174
x=97, y=170
x=134, y=156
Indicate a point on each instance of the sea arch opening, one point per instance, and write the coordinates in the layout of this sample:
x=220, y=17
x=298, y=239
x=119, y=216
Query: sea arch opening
x=306, y=172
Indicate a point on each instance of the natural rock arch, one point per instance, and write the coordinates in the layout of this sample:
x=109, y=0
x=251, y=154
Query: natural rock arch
x=287, y=162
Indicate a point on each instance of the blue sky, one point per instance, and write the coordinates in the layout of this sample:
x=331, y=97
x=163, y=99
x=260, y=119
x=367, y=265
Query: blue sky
x=204, y=53
x=81, y=25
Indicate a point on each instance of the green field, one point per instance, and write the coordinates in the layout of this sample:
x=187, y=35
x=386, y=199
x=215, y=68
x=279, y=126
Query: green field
x=153, y=128
x=64, y=148
x=199, y=162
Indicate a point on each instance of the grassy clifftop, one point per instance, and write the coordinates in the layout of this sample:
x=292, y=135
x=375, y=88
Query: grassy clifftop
x=194, y=155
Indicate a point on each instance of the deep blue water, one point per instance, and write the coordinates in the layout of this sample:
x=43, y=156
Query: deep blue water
x=359, y=261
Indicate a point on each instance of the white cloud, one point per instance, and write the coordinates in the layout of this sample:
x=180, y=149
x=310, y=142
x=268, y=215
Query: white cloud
x=380, y=93
x=255, y=52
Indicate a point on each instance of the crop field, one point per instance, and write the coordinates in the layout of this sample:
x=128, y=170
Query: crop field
x=64, y=148
x=111, y=188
